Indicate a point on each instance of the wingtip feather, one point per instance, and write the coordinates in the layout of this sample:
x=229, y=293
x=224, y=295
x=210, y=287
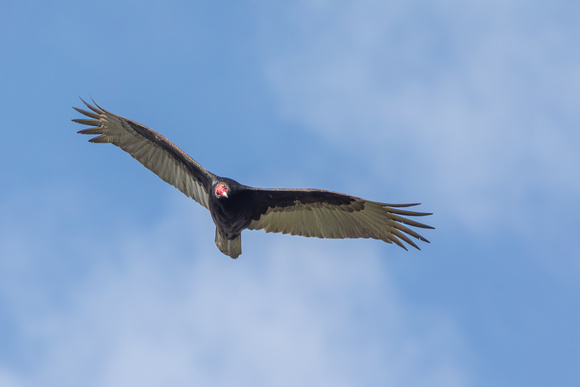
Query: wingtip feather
x=87, y=113
x=93, y=108
x=84, y=121
x=103, y=139
x=91, y=131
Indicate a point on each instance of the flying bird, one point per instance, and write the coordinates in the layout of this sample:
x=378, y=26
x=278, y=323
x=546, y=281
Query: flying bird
x=235, y=207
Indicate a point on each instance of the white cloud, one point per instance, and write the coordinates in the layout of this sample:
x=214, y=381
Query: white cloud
x=160, y=305
x=484, y=96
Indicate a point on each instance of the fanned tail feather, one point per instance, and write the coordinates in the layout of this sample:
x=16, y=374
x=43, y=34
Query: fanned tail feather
x=230, y=247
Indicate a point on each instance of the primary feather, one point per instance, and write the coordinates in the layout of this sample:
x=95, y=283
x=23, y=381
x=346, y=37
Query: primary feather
x=235, y=207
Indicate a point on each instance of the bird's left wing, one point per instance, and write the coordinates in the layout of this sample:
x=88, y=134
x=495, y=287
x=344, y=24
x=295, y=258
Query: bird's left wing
x=151, y=149
x=327, y=214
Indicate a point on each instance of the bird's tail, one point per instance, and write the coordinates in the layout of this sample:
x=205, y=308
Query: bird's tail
x=230, y=247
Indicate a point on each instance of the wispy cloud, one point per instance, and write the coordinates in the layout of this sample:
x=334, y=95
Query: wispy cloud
x=290, y=311
x=482, y=100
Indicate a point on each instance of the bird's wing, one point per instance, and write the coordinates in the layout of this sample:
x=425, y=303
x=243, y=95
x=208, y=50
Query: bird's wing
x=149, y=148
x=326, y=214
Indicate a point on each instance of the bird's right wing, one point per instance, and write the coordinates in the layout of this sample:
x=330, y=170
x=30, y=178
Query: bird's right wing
x=151, y=149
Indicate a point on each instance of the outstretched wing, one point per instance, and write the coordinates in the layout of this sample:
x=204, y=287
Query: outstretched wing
x=326, y=214
x=151, y=149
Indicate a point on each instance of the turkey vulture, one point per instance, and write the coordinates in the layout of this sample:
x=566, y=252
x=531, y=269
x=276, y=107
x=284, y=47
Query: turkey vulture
x=235, y=207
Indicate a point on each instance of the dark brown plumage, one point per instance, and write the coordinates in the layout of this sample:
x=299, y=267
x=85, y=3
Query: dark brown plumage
x=235, y=207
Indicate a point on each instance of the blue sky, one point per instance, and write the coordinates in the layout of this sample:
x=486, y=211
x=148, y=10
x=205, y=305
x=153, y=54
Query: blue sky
x=110, y=277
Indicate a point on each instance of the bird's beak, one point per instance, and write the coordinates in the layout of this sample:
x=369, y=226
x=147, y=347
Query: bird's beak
x=225, y=194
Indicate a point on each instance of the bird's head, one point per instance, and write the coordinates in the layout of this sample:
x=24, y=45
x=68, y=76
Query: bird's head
x=221, y=190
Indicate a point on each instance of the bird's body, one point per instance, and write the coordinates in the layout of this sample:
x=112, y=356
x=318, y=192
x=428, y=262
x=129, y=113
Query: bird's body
x=235, y=207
